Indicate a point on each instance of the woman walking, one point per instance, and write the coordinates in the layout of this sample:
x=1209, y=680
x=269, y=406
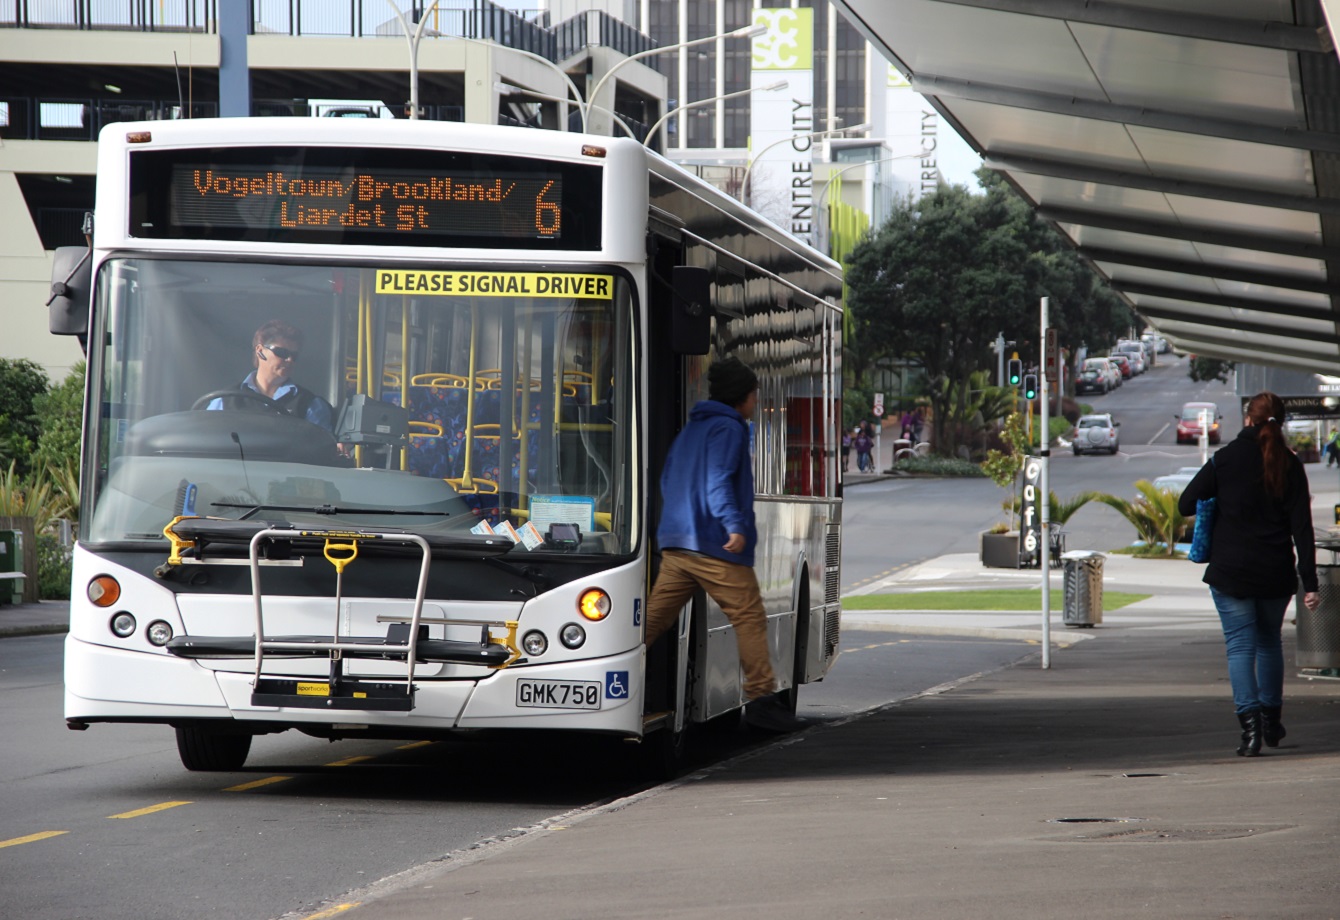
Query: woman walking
x=1264, y=515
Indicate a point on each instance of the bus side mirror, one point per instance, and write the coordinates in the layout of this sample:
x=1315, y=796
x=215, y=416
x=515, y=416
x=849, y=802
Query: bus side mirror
x=691, y=311
x=71, y=290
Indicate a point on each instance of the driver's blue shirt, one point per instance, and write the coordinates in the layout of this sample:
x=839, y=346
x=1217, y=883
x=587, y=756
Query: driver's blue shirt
x=319, y=412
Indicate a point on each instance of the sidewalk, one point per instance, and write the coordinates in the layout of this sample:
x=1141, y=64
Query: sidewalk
x=1106, y=786
x=34, y=619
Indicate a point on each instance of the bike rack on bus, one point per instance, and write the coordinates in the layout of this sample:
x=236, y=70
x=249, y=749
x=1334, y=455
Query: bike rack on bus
x=340, y=691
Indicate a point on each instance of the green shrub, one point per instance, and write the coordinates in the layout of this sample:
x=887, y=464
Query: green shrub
x=53, y=569
x=938, y=466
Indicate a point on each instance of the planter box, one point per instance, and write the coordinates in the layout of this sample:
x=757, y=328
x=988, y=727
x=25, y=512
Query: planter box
x=1001, y=550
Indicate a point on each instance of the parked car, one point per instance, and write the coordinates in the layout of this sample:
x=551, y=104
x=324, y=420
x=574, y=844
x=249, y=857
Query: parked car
x=1136, y=353
x=1123, y=364
x=1174, y=482
x=1094, y=377
x=1095, y=433
x=1189, y=421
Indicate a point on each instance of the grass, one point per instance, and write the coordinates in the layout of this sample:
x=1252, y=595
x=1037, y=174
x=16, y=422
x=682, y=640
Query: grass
x=1004, y=599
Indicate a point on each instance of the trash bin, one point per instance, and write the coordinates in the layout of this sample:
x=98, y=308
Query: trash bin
x=1082, y=576
x=1319, y=630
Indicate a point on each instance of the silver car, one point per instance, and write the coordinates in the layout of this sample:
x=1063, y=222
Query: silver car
x=1095, y=433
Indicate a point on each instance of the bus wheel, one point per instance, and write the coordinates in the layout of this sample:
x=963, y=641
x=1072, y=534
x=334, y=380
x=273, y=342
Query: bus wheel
x=212, y=751
x=662, y=754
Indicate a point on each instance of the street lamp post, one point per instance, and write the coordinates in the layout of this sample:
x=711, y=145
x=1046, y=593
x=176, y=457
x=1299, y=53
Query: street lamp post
x=539, y=58
x=819, y=199
x=509, y=89
x=413, y=53
x=743, y=32
x=744, y=183
x=702, y=102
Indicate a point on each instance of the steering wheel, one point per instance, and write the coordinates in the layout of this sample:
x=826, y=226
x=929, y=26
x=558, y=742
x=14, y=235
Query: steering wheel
x=255, y=397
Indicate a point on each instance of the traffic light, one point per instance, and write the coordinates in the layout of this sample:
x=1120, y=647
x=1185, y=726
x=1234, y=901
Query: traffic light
x=1016, y=372
x=1031, y=386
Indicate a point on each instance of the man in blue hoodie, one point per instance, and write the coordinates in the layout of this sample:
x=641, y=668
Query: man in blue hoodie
x=707, y=533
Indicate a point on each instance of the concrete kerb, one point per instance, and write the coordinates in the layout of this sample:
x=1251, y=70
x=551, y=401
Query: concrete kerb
x=1178, y=600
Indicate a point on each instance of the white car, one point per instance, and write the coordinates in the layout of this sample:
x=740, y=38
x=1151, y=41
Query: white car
x=1175, y=482
x=1095, y=433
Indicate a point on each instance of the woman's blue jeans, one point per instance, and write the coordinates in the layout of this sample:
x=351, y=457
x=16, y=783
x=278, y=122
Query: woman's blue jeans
x=1252, y=638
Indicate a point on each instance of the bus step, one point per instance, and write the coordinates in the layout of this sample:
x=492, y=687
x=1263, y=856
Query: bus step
x=318, y=694
x=654, y=720
x=451, y=651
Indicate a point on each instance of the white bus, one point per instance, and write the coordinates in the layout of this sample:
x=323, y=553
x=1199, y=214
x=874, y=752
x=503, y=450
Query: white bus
x=495, y=333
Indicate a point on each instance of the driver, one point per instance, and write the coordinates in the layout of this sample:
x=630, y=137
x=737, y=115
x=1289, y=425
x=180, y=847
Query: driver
x=274, y=351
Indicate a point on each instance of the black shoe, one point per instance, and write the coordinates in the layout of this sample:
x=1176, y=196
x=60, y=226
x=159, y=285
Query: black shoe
x=1251, y=733
x=770, y=714
x=1272, y=729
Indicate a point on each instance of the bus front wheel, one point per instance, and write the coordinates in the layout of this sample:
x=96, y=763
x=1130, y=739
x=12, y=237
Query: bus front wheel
x=212, y=751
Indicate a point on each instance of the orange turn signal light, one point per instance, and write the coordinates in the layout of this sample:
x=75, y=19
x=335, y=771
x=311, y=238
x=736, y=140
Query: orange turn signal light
x=594, y=604
x=104, y=591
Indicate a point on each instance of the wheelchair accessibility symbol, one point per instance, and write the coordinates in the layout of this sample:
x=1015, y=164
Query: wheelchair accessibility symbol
x=616, y=685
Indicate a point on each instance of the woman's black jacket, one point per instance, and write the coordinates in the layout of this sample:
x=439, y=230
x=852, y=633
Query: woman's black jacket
x=1252, y=547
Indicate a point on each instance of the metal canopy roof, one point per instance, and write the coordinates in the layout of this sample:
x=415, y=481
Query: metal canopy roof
x=1190, y=149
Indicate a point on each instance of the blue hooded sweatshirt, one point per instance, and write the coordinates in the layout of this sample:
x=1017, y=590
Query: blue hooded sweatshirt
x=707, y=486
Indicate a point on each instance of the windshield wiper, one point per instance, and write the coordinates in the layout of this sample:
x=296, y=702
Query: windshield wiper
x=323, y=509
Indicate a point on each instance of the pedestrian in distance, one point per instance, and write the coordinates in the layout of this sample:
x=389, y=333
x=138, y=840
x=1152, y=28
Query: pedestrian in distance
x=1264, y=516
x=847, y=438
x=707, y=534
x=1333, y=448
x=863, y=446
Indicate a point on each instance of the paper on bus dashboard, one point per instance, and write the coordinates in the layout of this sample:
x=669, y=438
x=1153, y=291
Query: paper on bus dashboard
x=528, y=535
x=563, y=509
x=483, y=528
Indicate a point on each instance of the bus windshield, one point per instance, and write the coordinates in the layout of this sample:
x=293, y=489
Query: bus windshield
x=429, y=400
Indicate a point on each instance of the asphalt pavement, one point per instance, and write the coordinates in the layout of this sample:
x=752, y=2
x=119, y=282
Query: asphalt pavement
x=1104, y=786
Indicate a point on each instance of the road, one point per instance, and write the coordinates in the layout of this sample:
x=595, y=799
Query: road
x=892, y=523
x=106, y=824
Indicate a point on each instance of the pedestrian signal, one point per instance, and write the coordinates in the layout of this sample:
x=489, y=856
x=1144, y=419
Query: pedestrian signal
x=1016, y=372
x=1031, y=386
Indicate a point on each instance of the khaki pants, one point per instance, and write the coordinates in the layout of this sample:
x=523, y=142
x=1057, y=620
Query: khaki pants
x=735, y=589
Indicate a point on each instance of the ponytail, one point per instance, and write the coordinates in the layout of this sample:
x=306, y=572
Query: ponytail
x=1265, y=411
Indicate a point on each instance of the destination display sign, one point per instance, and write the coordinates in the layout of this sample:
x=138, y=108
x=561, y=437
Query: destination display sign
x=367, y=196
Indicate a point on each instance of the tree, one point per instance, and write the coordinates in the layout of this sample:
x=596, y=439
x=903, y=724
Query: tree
x=60, y=410
x=1206, y=369
x=21, y=383
x=935, y=284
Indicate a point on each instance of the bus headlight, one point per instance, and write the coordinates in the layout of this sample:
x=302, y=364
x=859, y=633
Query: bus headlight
x=123, y=624
x=534, y=643
x=159, y=633
x=594, y=604
x=572, y=636
x=104, y=591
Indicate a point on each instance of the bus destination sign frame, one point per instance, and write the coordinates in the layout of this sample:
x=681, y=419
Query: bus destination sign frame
x=365, y=196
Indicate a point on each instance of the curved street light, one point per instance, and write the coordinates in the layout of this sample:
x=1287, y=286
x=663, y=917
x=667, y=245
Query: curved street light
x=509, y=89
x=744, y=182
x=539, y=58
x=780, y=85
x=413, y=54
x=742, y=32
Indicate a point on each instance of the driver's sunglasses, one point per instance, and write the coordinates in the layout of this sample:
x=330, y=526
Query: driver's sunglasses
x=282, y=353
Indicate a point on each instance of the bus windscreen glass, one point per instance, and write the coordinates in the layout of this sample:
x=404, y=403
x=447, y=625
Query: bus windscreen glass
x=364, y=196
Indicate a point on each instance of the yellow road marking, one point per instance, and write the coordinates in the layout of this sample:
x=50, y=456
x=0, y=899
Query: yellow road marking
x=337, y=909
x=414, y=744
x=140, y=812
x=257, y=783
x=31, y=838
x=349, y=760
